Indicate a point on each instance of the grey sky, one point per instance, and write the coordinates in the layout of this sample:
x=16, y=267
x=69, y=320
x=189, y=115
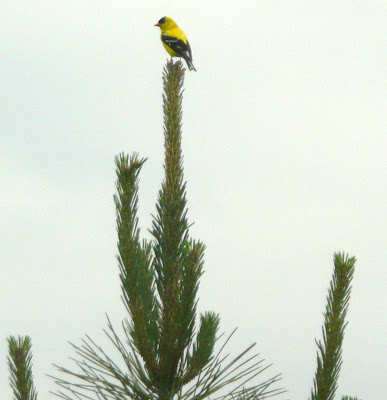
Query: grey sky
x=282, y=141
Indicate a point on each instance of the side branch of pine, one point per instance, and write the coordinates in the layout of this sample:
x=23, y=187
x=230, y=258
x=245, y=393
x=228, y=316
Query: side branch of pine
x=329, y=355
x=20, y=367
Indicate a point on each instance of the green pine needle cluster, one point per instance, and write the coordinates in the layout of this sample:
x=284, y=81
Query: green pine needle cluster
x=20, y=367
x=329, y=356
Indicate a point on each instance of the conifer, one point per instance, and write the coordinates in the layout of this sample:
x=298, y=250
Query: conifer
x=166, y=355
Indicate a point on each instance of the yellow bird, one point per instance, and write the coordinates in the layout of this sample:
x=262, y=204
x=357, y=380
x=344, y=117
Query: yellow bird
x=175, y=41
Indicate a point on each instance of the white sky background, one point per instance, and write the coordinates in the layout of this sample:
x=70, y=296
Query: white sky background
x=282, y=143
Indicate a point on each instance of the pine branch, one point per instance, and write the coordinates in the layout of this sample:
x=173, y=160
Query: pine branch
x=329, y=356
x=204, y=346
x=192, y=269
x=135, y=263
x=20, y=367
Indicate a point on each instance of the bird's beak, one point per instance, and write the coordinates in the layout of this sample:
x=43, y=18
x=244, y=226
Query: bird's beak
x=158, y=24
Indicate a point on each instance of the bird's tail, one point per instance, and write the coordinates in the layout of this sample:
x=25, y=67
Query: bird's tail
x=190, y=65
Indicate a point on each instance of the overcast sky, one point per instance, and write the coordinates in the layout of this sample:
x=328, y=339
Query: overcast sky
x=282, y=142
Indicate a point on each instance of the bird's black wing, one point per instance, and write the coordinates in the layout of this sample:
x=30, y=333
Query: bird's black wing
x=189, y=51
x=177, y=45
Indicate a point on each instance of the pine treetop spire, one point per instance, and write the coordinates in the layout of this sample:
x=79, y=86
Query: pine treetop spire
x=166, y=357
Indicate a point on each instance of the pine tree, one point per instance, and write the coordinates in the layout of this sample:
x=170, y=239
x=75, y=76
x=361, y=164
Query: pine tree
x=20, y=367
x=165, y=355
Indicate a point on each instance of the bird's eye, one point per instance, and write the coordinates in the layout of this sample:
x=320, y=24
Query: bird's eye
x=162, y=20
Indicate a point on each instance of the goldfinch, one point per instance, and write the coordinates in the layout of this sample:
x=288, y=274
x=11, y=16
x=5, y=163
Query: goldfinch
x=175, y=41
